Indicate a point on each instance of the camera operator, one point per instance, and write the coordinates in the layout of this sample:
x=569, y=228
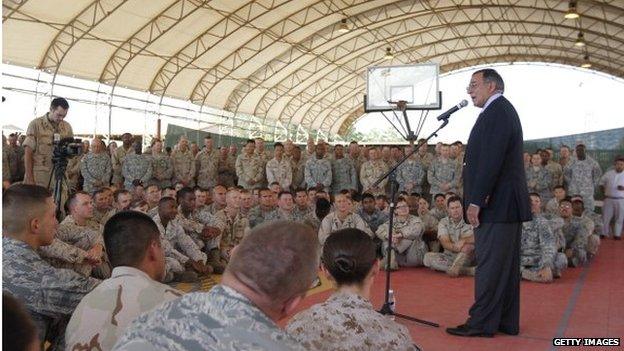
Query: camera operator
x=38, y=145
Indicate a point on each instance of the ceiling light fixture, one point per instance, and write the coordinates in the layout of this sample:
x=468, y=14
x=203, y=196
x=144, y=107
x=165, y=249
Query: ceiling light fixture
x=344, y=28
x=580, y=40
x=389, y=55
x=572, y=13
x=586, y=63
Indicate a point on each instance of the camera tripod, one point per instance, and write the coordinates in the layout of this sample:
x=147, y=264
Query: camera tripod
x=58, y=173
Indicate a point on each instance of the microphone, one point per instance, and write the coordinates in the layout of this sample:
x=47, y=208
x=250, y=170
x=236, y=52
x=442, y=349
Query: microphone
x=452, y=110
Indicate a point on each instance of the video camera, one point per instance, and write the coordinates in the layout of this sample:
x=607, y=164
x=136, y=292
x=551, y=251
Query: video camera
x=66, y=147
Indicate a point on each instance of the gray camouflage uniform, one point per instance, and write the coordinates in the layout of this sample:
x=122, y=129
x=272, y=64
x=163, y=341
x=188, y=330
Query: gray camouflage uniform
x=411, y=249
x=96, y=171
x=136, y=167
x=374, y=220
x=411, y=176
x=257, y=215
x=49, y=294
x=221, y=319
x=538, y=248
x=370, y=172
x=443, y=171
x=318, y=171
x=538, y=181
x=344, y=175
x=174, y=232
x=174, y=259
x=574, y=235
x=345, y=322
x=117, y=160
x=582, y=177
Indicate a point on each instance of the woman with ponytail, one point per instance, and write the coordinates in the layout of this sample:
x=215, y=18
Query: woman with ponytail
x=347, y=320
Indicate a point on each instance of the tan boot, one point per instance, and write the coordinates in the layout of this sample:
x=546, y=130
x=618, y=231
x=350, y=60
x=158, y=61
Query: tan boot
x=393, y=263
x=460, y=261
x=467, y=271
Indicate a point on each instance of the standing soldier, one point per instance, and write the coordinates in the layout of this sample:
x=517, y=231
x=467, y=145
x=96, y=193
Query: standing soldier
x=73, y=168
x=96, y=167
x=183, y=163
x=538, y=178
x=227, y=168
x=371, y=171
x=318, y=172
x=411, y=174
x=249, y=168
x=118, y=157
x=297, y=164
x=136, y=167
x=343, y=171
x=554, y=168
x=162, y=168
x=38, y=145
x=278, y=169
x=582, y=176
x=16, y=159
x=207, y=164
x=262, y=155
x=357, y=159
x=443, y=174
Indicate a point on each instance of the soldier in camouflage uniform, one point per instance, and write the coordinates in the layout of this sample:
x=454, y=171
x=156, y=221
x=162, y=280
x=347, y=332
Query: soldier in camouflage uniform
x=235, y=228
x=302, y=210
x=371, y=171
x=249, y=168
x=96, y=168
x=457, y=239
x=342, y=217
x=430, y=234
x=227, y=168
x=78, y=243
x=347, y=320
x=279, y=169
x=589, y=223
x=16, y=158
x=231, y=314
x=554, y=168
x=263, y=157
x=411, y=174
x=343, y=171
x=443, y=174
x=104, y=313
x=539, y=259
x=265, y=211
x=72, y=172
x=572, y=236
x=318, y=169
x=552, y=206
x=370, y=213
x=49, y=294
x=408, y=246
x=183, y=164
x=136, y=166
x=582, y=176
x=297, y=164
x=207, y=165
x=117, y=158
x=538, y=178
x=6, y=172
x=162, y=168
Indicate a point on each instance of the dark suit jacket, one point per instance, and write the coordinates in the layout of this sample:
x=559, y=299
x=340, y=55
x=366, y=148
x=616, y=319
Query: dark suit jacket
x=494, y=177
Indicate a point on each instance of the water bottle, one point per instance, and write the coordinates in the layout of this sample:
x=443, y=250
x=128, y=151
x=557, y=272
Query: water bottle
x=391, y=303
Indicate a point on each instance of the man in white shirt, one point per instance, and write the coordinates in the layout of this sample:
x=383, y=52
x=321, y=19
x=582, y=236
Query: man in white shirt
x=612, y=183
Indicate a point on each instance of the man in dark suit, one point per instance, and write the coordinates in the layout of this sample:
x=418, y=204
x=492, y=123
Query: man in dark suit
x=496, y=202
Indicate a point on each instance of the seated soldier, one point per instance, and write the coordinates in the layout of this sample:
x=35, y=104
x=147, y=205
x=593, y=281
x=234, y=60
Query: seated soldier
x=341, y=218
x=381, y=201
x=265, y=211
x=413, y=200
x=439, y=209
x=285, y=207
x=302, y=208
x=552, y=206
x=347, y=320
x=102, y=204
x=593, y=239
x=370, y=213
x=78, y=244
x=134, y=249
x=218, y=199
x=169, y=192
x=572, y=235
x=539, y=259
x=49, y=294
x=408, y=246
x=171, y=228
x=246, y=202
x=430, y=235
x=152, y=197
x=268, y=275
x=457, y=239
x=201, y=198
x=236, y=227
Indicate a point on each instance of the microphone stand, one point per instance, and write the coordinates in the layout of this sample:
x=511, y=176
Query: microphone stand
x=394, y=185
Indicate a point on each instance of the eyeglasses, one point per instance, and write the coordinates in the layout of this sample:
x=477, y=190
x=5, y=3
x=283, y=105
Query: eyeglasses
x=565, y=206
x=472, y=86
x=402, y=206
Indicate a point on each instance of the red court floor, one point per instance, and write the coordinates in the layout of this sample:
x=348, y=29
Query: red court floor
x=585, y=302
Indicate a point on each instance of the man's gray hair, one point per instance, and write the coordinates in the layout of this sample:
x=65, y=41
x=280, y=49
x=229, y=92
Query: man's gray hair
x=490, y=75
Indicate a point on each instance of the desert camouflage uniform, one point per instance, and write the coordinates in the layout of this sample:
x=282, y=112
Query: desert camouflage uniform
x=183, y=167
x=538, y=181
x=117, y=160
x=227, y=171
x=162, y=170
x=582, y=177
x=298, y=176
x=369, y=173
x=207, y=167
x=411, y=176
x=318, y=172
x=410, y=250
x=455, y=232
x=49, y=294
x=538, y=248
x=174, y=259
x=279, y=171
x=175, y=233
x=575, y=236
x=76, y=240
x=373, y=220
x=344, y=175
x=221, y=319
x=72, y=172
x=332, y=223
x=346, y=322
x=248, y=168
x=96, y=171
x=257, y=215
x=443, y=171
x=104, y=314
x=235, y=229
x=15, y=155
